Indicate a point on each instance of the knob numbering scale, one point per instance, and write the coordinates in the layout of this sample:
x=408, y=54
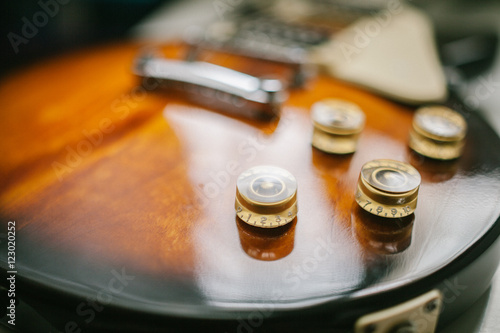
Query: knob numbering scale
x=388, y=188
x=266, y=197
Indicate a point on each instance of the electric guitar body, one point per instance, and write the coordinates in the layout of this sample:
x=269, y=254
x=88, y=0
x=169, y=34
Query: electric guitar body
x=123, y=198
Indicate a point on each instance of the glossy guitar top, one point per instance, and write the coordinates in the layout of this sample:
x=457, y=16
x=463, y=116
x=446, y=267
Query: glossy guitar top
x=104, y=175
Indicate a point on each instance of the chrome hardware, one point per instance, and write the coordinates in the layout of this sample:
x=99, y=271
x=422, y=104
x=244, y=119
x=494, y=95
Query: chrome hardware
x=212, y=85
x=261, y=38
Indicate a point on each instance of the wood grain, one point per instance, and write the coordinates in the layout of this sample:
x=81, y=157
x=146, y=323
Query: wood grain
x=102, y=172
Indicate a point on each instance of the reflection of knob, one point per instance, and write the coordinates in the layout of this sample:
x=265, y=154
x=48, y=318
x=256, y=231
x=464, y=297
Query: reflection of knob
x=438, y=132
x=388, y=188
x=379, y=234
x=337, y=125
x=266, y=244
x=432, y=170
x=266, y=197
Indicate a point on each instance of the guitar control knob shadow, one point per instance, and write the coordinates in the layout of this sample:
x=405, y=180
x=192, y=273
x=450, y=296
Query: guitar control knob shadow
x=266, y=244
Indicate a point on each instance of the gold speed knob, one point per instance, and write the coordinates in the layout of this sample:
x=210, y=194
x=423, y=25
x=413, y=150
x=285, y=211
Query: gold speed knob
x=388, y=188
x=438, y=132
x=266, y=197
x=337, y=125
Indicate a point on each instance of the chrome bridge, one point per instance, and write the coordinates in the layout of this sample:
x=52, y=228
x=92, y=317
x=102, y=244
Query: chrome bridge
x=215, y=86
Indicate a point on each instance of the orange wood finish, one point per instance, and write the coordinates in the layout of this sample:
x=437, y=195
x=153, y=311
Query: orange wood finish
x=100, y=172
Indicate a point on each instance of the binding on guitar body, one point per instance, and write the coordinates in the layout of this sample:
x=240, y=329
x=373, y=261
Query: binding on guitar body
x=229, y=182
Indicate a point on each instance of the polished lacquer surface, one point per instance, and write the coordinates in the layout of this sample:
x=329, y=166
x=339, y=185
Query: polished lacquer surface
x=103, y=173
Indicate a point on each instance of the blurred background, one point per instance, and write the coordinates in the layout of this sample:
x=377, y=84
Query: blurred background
x=71, y=24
